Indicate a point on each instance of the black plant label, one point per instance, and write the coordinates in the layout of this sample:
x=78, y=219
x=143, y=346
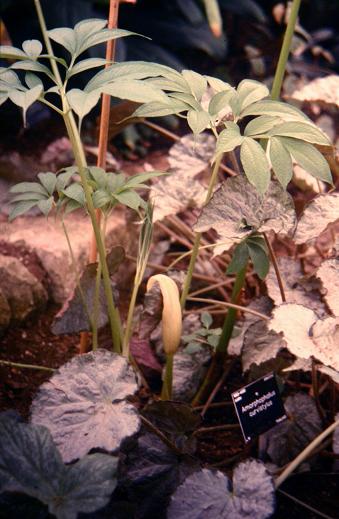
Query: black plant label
x=259, y=406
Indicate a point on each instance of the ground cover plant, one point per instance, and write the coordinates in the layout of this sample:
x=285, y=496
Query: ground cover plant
x=92, y=446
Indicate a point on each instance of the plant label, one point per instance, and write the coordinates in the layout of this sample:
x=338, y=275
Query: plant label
x=259, y=406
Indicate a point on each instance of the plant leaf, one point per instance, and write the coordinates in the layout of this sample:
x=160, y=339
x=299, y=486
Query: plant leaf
x=206, y=494
x=156, y=109
x=86, y=64
x=10, y=52
x=73, y=318
x=319, y=213
x=286, y=440
x=197, y=83
x=259, y=255
x=250, y=91
x=328, y=273
x=25, y=99
x=46, y=206
x=75, y=192
x=229, y=139
x=33, y=66
x=281, y=161
x=300, y=130
x=151, y=472
x=135, y=90
x=198, y=121
x=298, y=289
x=67, y=490
x=96, y=386
x=239, y=258
x=173, y=194
x=260, y=345
x=82, y=102
x=192, y=154
x=220, y=101
x=103, y=36
x=260, y=125
x=32, y=80
x=65, y=37
x=275, y=108
x=295, y=321
x=48, y=180
x=255, y=164
x=32, y=48
x=21, y=208
x=133, y=70
x=325, y=336
x=236, y=210
x=309, y=158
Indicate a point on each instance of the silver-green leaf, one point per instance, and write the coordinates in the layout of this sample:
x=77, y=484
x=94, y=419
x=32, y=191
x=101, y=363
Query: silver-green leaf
x=309, y=158
x=255, y=164
x=281, y=161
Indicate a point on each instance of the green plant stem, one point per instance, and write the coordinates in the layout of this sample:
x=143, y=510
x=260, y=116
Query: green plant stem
x=276, y=268
x=166, y=392
x=305, y=453
x=196, y=244
x=81, y=163
x=47, y=41
x=96, y=307
x=285, y=50
x=26, y=366
x=129, y=322
x=217, y=366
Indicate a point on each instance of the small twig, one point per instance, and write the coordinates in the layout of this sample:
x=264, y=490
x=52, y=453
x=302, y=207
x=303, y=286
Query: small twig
x=214, y=393
x=216, y=428
x=161, y=435
x=215, y=404
x=315, y=389
x=305, y=453
x=230, y=305
x=305, y=505
x=26, y=366
x=276, y=267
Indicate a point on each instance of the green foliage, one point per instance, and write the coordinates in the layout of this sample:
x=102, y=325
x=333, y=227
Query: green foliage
x=252, y=248
x=53, y=191
x=204, y=336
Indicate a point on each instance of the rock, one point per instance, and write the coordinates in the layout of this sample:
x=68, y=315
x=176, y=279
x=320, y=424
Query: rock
x=188, y=373
x=47, y=239
x=5, y=311
x=23, y=292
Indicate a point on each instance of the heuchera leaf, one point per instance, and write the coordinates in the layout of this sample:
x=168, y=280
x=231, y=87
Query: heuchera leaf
x=236, y=210
x=260, y=345
x=73, y=318
x=151, y=472
x=84, y=404
x=298, y=289
x=207, y=495
x=318, y=214
x=30, y=463
x=328, y=273
x=307, y=336
x=286, y=440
